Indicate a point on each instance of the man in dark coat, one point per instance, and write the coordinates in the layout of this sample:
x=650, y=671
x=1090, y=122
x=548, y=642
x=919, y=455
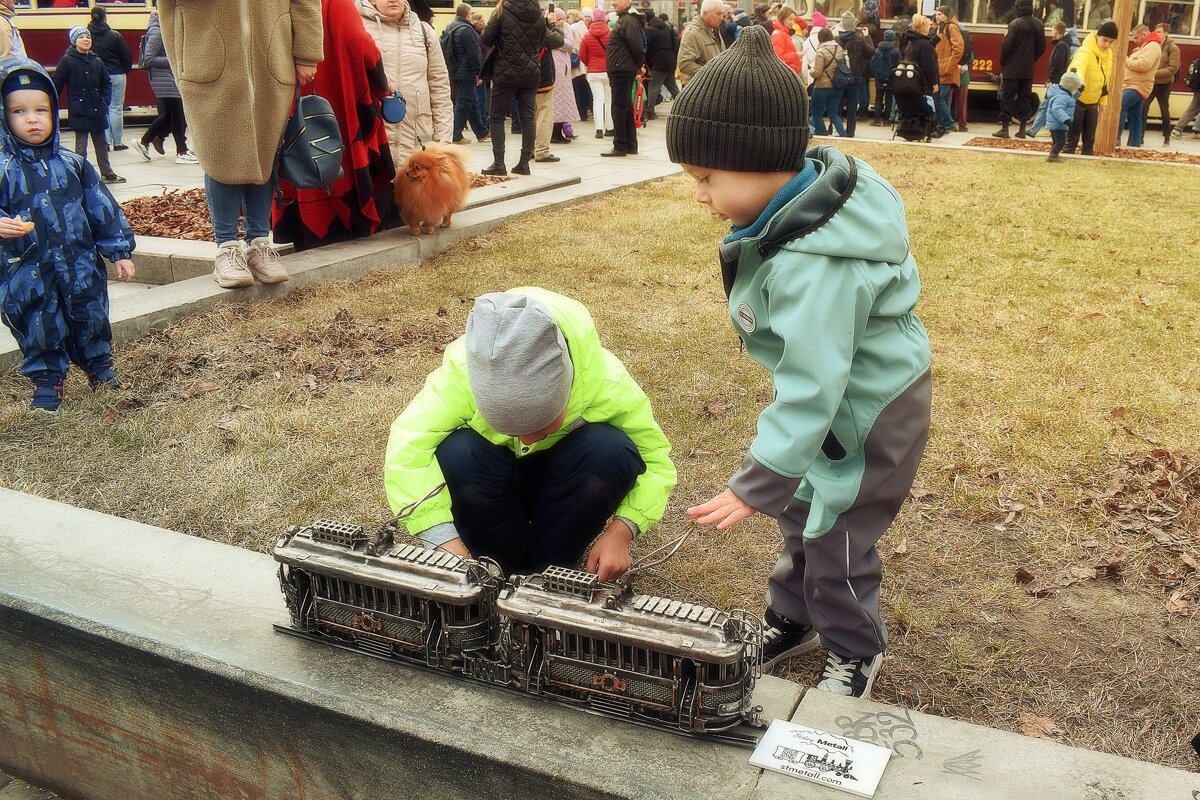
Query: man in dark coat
x=464, y=59
x=113, y=50
x=662, y=50
x=516, y=34
x=1023, y=45
x=625, y=55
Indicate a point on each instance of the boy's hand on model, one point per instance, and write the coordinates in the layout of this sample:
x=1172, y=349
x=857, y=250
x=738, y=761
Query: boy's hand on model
x=726, y=510
x=125, y=270
x=610, y=553
x=13, y=227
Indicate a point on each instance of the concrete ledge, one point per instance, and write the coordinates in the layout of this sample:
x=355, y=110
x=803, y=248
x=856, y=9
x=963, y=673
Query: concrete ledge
x=140, y=664
x=940, y=758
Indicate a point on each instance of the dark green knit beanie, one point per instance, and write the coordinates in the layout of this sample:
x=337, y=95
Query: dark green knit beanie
x=744, y=111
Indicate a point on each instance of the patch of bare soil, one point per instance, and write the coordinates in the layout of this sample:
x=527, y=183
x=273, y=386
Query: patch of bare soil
x=179, y=214
x=1037, y=146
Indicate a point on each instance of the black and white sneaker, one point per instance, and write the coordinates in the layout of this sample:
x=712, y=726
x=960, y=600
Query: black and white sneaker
x=783, y=639
x=849, y=676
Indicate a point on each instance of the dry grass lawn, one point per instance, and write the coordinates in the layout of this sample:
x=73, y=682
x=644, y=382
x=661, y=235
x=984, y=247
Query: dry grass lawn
x=1044, y=578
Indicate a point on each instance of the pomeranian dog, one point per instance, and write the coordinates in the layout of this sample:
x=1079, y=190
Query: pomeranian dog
x=432, y=185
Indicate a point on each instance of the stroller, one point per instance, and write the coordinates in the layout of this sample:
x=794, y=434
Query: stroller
x=914, y=113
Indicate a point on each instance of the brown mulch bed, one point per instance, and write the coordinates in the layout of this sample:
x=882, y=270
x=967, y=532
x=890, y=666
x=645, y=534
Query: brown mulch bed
x=179, y=214
x=1134, y=153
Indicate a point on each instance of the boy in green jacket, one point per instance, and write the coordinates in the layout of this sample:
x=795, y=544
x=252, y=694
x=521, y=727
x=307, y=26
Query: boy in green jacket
x=821, y=288
x=543, y=440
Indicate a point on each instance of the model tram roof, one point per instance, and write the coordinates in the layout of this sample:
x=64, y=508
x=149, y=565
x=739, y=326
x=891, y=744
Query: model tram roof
x=688, y=630
x=408, y=568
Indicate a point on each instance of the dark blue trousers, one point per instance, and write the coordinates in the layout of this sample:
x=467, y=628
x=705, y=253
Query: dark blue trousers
x=540, y=509
x=466, y=110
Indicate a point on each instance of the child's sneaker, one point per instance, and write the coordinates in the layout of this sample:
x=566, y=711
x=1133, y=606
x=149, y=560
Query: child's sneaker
x=187, y=157
x=103, y=377
x=112, y=177
x=47, y=395
x=264, y=262
x=142, y=149
x=852, y=677
x=783, y=638
x=230, y=271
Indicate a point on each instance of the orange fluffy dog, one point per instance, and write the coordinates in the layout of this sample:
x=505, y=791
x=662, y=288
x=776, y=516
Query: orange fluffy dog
x=432, y=185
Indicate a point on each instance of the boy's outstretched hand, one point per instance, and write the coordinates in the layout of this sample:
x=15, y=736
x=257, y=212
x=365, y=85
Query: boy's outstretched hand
x=125, y=269
x=726, y=509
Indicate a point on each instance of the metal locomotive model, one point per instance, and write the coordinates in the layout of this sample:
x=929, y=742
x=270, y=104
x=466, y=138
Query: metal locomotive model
x=560, y=635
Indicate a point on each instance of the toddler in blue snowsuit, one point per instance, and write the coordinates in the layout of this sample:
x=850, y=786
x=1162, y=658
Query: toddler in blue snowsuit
x=56, y=220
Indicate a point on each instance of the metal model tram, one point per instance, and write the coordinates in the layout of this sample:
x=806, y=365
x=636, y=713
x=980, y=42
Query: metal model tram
x=560, y=635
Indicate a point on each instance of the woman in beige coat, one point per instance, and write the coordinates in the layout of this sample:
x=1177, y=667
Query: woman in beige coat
x=237, y=66
x=413, y=61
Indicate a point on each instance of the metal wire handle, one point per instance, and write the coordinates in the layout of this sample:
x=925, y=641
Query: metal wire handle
x=407, y=511
x=641, y=564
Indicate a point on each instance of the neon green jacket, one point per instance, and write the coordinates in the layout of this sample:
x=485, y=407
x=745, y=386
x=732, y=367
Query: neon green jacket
x=602, y=391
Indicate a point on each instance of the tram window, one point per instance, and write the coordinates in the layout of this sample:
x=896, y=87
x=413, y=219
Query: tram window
x=1177, y=16
x=1098, y=12
x=894, y=9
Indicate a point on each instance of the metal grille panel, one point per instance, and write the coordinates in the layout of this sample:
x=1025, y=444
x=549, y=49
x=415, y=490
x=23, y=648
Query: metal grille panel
x=371, y=624
x=582, y=677
x=343, y=533
x=719, y=697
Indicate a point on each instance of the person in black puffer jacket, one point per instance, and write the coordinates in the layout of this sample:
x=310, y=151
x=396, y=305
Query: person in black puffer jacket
x=860, y=50
x=662, y=49
x=113, y=50
x=516, y=31
x=1022, y=46
x=625, y=55
x=88, y=88
x=919, y=50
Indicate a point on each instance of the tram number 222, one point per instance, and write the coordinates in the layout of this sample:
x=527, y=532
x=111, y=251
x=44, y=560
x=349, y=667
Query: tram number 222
x=981, y=65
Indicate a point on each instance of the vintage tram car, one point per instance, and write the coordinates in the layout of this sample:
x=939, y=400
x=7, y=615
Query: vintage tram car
x=560, y=635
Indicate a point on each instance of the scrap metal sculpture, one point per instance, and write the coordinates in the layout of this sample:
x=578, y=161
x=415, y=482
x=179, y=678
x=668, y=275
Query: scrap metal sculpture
x=560, y=635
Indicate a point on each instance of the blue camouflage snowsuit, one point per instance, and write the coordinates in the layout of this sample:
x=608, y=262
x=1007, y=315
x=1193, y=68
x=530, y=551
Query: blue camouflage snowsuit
x=53, y=284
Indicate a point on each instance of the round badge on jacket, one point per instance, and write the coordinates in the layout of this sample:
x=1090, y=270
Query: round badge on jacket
x=745, y=318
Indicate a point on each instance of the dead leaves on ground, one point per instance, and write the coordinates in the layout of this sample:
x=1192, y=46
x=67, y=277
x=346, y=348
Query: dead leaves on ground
x=1043, y=146
x=1038, y=727
x=1152, y=503
x=172, y=215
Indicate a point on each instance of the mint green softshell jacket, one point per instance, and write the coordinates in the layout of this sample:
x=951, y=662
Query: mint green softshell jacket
x=823, y=297
x=602, y=391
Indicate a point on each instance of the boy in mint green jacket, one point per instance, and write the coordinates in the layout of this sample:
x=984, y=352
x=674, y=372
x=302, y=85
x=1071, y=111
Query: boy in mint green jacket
x=543, y=441
x=821, y=287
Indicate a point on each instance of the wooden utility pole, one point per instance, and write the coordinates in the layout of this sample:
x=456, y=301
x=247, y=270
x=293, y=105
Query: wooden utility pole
x=1107, y=134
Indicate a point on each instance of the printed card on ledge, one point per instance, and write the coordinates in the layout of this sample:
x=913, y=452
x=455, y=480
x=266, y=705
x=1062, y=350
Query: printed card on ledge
x=846, y=764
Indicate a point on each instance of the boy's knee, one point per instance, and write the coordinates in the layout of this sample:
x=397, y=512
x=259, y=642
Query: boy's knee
x=604, y=451
x=466, y=457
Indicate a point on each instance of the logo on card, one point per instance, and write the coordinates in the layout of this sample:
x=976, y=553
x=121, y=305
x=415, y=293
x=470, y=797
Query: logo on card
x=745, y=318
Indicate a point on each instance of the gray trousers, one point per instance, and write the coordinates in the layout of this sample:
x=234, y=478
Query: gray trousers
x=830, y=579
x=81, y=147
x=1190, y=114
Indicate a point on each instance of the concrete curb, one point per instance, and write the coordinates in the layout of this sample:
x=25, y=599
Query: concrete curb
x=160, y=306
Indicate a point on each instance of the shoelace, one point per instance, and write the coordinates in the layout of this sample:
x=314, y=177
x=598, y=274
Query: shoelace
x=269, y=256
x=839, y=669
x=237, y=260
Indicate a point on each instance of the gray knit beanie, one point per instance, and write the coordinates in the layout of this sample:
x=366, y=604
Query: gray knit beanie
x=1071, y=81
x=744, y=111
x=848, y=20
x=517, y=362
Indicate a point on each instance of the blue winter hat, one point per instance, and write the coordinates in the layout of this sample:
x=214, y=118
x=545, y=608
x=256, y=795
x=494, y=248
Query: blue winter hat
x=31, y=77
x=76, y=32
x=889, y=36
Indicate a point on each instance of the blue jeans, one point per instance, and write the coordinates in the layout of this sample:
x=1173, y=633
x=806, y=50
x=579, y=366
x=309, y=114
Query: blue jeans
x=226, y=203
x=466, y=109
x=827, y=102
x=116, y=111
x=946, y=116
x=1131, y=112
x=864, y=94
x=540, y=509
